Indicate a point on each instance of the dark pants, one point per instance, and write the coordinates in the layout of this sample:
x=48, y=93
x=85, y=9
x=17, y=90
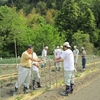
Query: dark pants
x=83, y=62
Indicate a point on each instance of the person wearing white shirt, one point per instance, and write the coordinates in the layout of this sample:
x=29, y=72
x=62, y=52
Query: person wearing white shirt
x=68, y=58
x=58, y=52
x=35, y=73
x=44, y=56
x=75, y=52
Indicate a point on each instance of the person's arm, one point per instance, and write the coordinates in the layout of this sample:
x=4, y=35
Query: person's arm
x=35, y=59
x=37, y=65
x=57, y=58
x=60, y=60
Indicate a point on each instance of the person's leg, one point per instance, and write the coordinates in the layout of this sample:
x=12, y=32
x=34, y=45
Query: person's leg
x=83, y=62
x=33, y=79
x=57, y=66
x=22, y=73
x=27, y=81
x=38, y=80
x=72, y=82
x=60, y=65
x=67, y=77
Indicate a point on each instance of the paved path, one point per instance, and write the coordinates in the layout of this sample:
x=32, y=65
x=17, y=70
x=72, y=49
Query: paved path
x=90, y=92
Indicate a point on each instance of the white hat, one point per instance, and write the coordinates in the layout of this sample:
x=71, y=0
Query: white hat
x=57, y=47
x=46, y=47
x=82, y=47
x=67, y=44
x=74, y=46
x=61, y=46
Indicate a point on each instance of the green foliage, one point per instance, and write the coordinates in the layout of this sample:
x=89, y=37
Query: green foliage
x=96, y=11
x=82, y=40
x=66, y=19
x=72, y=15
x=13, y=27
x=86, y=21
x=75, y=16
x=9, y=61
x=49, y=36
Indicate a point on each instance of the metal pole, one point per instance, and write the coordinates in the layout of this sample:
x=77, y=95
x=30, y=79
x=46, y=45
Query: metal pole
x=50, y=73
x=55, y=74
x=15, y=50
x=45, y=75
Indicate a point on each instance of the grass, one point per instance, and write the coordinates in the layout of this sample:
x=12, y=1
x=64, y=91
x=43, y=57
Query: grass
x=9, y=61
x=0, y=70
x=19, y=97
x=13, y=60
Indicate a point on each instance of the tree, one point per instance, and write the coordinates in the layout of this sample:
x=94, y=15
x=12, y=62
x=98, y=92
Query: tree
x=96, y=11
x=66, y=19
x=82, y=39
x=12, y=28
x=49, y=36
x=86, y=20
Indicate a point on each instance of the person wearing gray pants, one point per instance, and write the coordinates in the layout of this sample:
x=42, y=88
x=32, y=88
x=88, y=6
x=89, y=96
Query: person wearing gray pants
x=24, y=70
x=35, y=73
x=68, y=58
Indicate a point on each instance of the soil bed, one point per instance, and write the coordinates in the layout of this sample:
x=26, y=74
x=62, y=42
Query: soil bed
x=49, y=77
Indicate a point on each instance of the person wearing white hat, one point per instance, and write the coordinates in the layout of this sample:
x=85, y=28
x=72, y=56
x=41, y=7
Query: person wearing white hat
x=44, y=55
x=83, y=58
x=68, y=58
x=75, y=52
x=35, y=73
x=57, y=54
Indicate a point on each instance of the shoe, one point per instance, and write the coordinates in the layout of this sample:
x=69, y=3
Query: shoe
x=64, y=93
x=39, y=85
x=15, y=91
x=83, y=69
x=34, y=85
x=71, y=88
x=25, y=90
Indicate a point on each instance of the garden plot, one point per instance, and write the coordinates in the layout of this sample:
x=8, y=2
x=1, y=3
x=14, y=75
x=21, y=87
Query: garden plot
x=50, y=78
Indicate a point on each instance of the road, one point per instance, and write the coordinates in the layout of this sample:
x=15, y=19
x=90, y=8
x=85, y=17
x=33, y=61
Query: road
x=90, y=92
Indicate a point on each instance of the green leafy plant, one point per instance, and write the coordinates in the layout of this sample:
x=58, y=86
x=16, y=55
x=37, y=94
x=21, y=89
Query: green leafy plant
x=19, y=97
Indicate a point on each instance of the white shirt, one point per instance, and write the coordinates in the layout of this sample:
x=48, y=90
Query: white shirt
x=68, y=58
x=44, y=53
x=58, y=52
x=76, y=52
x=35, y=68
x=54, y=53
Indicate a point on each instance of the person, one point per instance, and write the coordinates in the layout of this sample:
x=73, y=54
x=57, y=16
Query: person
x=44, y=55
x=61, y=47
x=75, y=52
x=35, y=73
x=24, y=70
x=57, y=54
x=83, y=58
x=68, y=58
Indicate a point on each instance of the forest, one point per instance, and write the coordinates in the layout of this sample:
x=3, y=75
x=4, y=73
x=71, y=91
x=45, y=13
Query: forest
x=49, y=23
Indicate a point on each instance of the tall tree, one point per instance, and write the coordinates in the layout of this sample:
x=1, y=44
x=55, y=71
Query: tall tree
x=96, y=11
x=86, y=21
x=66, y=19
x=12, y=27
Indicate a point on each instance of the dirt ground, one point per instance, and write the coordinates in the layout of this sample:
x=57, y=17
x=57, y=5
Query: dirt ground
x=80, y=84
x=48, y=76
